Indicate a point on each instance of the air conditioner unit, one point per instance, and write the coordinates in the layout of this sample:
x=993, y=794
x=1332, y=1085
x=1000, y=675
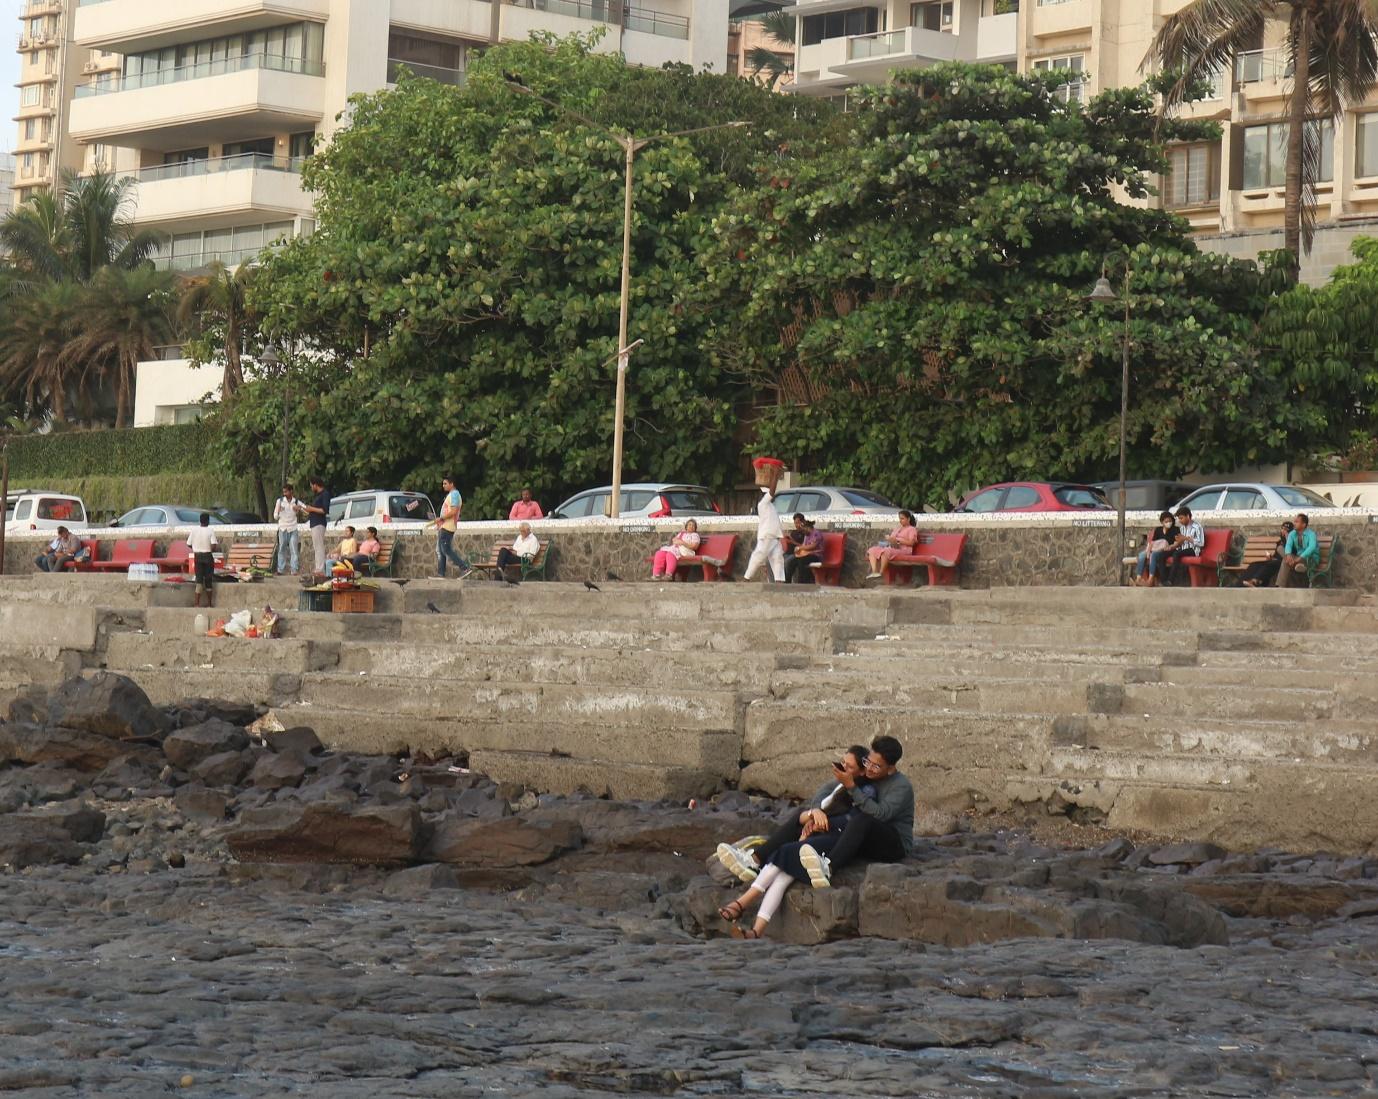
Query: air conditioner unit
x=91, y=66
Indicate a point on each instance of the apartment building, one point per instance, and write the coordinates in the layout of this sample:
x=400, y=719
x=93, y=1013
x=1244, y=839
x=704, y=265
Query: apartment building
x=6, y=181
x=1230, y=191
x=50, y=67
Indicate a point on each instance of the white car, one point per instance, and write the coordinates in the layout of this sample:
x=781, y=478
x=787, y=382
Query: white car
x=1253, y=496
x=35, y=509
x=374, y=507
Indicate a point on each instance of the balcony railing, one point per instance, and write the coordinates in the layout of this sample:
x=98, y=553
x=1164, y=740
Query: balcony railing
x=431, y=72
x=1258, y=65
x=83, y=3
x=196, y=261
x=200, y=70
x=646, y=20
x=875, y=45
x=186, y=169
x=656, y=22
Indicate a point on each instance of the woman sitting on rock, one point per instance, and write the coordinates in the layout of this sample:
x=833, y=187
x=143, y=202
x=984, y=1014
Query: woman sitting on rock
x=684, y=544
x=820, y=832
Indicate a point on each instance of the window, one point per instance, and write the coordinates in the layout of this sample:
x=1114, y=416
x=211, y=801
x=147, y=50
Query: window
x=1265, y=154
x=359, y=509
x=1301, y=497
x=1241, y=499
x=985, y=501
x=863, y=499
x=576, y=508
x=813, y=501
x=1366, y=145
x=62, y=511
x=688, y=500
x=30, y=129
x=28, y=95
x=1195, y=175
x=24, y=510
x=1075, y=496
x=931, y=16
x=635, y=501
x=1020, y=496
x=1203, y=501
x=301, y=144
x=413, y=506
x=840, y=24
x=1074, y=92
x=262, y=145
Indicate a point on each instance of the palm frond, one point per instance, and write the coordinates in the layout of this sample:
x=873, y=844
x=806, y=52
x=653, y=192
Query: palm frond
x=1203, y=37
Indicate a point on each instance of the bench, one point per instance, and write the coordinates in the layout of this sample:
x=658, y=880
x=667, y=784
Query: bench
x=1328, y=544
x=1257, y=548
x=382, y=564
x=176, y=559
x=1204, y=568
x=131, y=551
x=713, y=548
x=87, y=563
x=940, y=553
x=250, y=555
x=834, y=550
x=534, y=567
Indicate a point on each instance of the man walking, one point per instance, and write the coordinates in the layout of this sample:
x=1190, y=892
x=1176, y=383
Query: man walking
x=317, y=515
x=768, y=534
x=447, y=524
x=287, y=515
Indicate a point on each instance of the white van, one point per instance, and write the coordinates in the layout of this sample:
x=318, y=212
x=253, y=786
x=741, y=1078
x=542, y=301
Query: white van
x=375, y=507
x=35, y=509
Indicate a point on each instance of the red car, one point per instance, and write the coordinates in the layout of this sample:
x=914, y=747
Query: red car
x=1035, y=496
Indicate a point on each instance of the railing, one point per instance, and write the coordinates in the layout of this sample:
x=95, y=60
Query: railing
x=185, y=169
x=195, y=261
x=200, y=70
x=656, y=22
x=1258, y=65
x=645, y=20
x=882, y=44
x=169, y=352
x=83, y=3
x=431, y=72
x=41, y=7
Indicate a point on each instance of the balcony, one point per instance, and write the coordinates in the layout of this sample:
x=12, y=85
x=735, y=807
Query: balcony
x=206, y=193
x=199, y=261
x=871, y=58
x=430, y=72
x=134, y=26
x=41, y=7
x=244, y=97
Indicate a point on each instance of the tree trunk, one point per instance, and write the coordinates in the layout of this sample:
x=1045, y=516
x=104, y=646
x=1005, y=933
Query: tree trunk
x=1296, y=135
x=260, y=492
x=121, y=392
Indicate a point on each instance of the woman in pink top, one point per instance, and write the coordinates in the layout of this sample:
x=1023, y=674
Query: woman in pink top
x=683, y=544
x=902, y=539
x=525, y=509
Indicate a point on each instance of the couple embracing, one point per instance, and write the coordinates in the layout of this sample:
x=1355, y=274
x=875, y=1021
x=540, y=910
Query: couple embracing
x=865, y=811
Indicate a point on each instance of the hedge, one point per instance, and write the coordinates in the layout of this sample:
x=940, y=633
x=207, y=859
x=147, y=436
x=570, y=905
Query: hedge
x=111, y=497
x=129, y=452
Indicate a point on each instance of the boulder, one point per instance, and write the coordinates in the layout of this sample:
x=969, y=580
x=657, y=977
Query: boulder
x=511, y=841
x=276, y=772
x=29, y=841
x=82, y=823
x=223, y=768
x=197, y=802
x=137, y=773
x=316, y=832
x=420, y=881
x=806, y=918
x=481, y=802
x=299, y=739
x=29, y=707
x=187, y=747
x=82, y=751
x=107, y=704
x=1190, y=854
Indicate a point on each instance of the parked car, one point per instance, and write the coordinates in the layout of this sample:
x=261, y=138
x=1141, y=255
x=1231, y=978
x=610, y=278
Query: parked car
x=238, y=518
x=373, y=507
x=1035, y=496
x=166, y=515
x=1253, y=496
x=1144, y=495
x=645, y=499
x=831, y=500
x=38, y=509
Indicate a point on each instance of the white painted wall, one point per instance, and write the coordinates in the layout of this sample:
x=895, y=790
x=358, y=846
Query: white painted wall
x=160, y=387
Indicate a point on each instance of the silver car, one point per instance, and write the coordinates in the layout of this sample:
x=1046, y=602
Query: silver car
x=644, y=499
x=166, y=515
x=1252, y=496
x=831, y=500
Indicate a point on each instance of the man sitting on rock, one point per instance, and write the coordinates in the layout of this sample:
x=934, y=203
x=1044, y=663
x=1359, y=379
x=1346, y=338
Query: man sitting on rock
x=881, y=831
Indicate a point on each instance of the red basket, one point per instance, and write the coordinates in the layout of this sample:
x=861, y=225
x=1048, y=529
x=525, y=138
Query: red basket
x=768, y=471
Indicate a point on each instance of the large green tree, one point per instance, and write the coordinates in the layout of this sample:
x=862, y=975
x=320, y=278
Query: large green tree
x=916, y=297
x=461, y=289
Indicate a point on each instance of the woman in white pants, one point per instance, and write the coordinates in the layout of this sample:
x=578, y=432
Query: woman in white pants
x=769, y=531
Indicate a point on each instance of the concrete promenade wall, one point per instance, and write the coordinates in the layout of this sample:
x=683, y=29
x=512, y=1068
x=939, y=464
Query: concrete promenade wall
x=1002, y=550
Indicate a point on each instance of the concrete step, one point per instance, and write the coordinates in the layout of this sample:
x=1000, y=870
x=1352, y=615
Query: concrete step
x=166, y=685
x=879, y=663
x=1053, y=636
x=41, y=665
x=936, y=694
x=144, y=650
x=630, y=781
x=1266, y=664
x=711, y=751
x=1349, y=743
x=300, y=625
x=1160, y=769
x=1172, y=704
x=1325, y=676
x=1349, y=644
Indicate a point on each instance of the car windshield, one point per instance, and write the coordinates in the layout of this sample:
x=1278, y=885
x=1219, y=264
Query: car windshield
x=1301, y=497
x=411, y=506
x=681, y=499
x=1079, y=496
x=862, y=499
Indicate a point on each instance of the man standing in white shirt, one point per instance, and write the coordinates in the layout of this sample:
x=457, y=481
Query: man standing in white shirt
x=287, y=515
x=202, y=543
x=769, y=531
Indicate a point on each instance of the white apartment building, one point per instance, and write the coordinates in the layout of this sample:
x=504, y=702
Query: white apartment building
x=1230, y=191
x=6, y=181
x=218, y=101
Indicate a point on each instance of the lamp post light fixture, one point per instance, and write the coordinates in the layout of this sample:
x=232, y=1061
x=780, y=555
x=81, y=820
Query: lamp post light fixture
x=631, y=145
x=1104, y=292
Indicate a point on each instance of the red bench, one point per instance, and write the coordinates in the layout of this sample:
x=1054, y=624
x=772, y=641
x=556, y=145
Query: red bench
x=719, y=547
x=92, y=548
x=132, y=551
x=176, y=559
x=940, y=553
x=834, y=550
x=1204, y=569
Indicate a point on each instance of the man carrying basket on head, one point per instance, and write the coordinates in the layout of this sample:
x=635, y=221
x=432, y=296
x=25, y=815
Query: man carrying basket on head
x=769, y=530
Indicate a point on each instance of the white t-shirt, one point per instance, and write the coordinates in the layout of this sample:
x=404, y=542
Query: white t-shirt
x=285, y=512
x=768, y=519
x=202, y=540
x=526, y=545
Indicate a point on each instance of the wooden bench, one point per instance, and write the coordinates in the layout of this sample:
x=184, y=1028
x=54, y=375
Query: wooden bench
x=829, y=572
x=382, y=564
x=87, y=563
x=1204, y=568
x=1328, y=544
x=130, y=551
x=250, y=555
x=533, y=567
x=940, y=553
x=713, y=548
x=1257, y=549
x=177, y=558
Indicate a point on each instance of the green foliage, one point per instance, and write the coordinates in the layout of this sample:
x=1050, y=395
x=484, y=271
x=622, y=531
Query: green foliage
x=917, y=298
x=132, y=452
x=110, y=497
x=471, y=239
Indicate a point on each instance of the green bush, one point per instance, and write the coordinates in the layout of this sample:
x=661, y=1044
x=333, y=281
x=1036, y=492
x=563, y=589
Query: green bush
x=129, y=452
x=110, y=497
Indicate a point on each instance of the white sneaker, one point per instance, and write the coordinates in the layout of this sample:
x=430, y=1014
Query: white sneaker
x=873, y=576
x=819, y=869
x=815, y=564
x=741, y=863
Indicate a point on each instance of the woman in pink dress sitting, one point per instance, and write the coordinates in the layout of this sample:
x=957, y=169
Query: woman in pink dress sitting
x=683, y=544
x=902, y=539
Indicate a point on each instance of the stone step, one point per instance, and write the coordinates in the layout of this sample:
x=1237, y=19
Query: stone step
x=298, y=625
x=883, y=666
x=709, y=751
x=631, y=781
x=1160, y=768
x=1263, y=664
x=1324, y=676
x=1169, y=703
x=1053, y=636
x=64, y=628
x=1129, y=599
x=1348, y=644
x=1350, y=743
x=936, y=694
x=137, y=650
x=168, y=685
x=41, y=665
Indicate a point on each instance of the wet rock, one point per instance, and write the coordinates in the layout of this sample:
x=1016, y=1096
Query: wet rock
x=512, y=841
x=187, y=747
x=292, y=832
x=107, y=704
x=275, y=772
x=84, y=751
x=1191, y=854
x=299, y=740
x=223, y=768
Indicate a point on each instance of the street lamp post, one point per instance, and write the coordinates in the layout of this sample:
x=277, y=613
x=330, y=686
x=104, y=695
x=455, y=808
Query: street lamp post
x=631, y=145
x=1104, y=292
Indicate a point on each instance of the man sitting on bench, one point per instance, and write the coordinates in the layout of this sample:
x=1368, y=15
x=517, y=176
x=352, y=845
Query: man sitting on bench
x=523, y=549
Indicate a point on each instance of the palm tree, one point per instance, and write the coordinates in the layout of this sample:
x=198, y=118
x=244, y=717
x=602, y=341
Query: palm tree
x=220, y=298
x=125, y=315
x=1331, y=50
x=36, y=331
x=778, y=25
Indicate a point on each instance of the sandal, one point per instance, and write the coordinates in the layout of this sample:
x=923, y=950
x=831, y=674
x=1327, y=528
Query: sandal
x=740, y=932
x=731, y=912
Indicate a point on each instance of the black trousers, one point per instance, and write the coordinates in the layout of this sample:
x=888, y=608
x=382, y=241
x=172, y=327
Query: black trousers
x=869, y=839
x=787, y=831
x=507, y=557
x=797, y=569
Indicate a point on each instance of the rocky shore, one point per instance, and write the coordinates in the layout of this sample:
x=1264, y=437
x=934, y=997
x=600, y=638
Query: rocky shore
x=196, y=901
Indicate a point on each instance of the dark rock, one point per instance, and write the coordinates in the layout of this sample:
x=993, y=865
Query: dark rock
x=223, y=769
x=512, y=841
x=29, y=707
x=807, y=916
x=235, y=713
x=733, y=801
x=201, y=804
x=176, y=860
x=480, y=803
x=107, y=704
x=84, y=751
x=1117, y=850
x=1274, y=898
x=28, y=841
x=81, y=823
x=274, y=771
x=42, y=784
x=187, y=747
x=314, y=832
x=136, y=772
x=419, y=881
x=1191, y=854
x=299, y=739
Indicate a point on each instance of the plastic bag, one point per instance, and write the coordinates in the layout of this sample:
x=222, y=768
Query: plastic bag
x=239, y=623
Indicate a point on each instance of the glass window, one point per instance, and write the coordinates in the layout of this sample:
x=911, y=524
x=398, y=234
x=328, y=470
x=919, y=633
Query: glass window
x=301, y=144
x=28, y=95
x=1366, y=145
x=1301, y=497
x=813, y=501
x=24, y=510
x=576, y=508
x=1265, y=153
x=188, y=515
x=1020, y=496
x=359, y=509
x=862, y=499
x=1195, y=176
x=688, y=500
x=787, y=503
x=336, y=512
x=1073, y=92
x=840, y=24
x=1203, y=501
x=411, y=506
x=63, y=511
x=1241, y=499
x=985, y=501
x=932, y=16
